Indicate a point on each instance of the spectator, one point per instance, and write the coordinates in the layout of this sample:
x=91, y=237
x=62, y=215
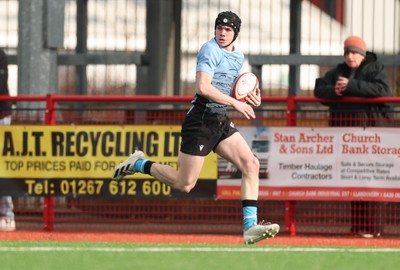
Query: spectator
x=207, y=128
x=7, y=222
x=361, y=75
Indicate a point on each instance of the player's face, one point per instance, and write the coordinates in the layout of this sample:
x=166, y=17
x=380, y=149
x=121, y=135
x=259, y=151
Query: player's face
x=224, y=35
x=353, y=59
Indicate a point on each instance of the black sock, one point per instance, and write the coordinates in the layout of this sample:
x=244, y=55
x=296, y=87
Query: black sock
x=147, y=167
x=249, y=203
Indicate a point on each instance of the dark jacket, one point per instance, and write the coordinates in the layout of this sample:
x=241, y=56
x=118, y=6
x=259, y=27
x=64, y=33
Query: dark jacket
x=370, y=80
x=5, y=106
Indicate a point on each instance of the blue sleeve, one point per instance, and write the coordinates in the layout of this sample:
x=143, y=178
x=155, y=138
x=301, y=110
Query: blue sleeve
x=208, y=58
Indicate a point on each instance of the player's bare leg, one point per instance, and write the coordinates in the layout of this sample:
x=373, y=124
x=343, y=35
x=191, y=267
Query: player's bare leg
x=236, y=150
x=184, y=179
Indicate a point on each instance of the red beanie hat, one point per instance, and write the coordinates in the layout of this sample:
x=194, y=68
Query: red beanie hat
x=355, y=44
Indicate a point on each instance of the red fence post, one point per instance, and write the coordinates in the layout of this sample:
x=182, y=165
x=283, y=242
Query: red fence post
x=291, y=111
x=290, y=206
x=48, y=213
x=48, y=209
x=50, y=116
x=290, y=221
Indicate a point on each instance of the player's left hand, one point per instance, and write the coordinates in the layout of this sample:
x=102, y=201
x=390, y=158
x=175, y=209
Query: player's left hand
x=254, y=98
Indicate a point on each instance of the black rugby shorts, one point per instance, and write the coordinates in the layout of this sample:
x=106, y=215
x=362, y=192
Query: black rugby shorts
x=203, y=131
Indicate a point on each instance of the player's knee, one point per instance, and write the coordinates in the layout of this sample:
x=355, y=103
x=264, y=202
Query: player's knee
x=186, y=188
x=257, y=164
x=252, y=165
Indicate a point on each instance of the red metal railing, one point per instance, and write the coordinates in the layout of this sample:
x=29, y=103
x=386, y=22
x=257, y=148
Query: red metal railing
x=290, y=107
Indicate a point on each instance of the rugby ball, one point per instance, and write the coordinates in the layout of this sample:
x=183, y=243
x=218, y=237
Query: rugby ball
x=244, y=84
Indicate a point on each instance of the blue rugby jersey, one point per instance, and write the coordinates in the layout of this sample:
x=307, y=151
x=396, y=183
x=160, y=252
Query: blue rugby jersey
x=223, y=66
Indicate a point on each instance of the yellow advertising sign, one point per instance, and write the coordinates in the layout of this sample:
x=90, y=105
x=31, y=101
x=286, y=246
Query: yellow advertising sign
x=87, y=151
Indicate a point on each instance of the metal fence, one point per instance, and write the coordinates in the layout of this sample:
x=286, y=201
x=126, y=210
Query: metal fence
x=79, y=208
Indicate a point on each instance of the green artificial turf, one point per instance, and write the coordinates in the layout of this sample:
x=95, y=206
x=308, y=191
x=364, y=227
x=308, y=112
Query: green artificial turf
x=55, y=255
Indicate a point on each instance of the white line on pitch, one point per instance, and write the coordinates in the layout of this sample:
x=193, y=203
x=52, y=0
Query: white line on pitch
x=193, y=249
